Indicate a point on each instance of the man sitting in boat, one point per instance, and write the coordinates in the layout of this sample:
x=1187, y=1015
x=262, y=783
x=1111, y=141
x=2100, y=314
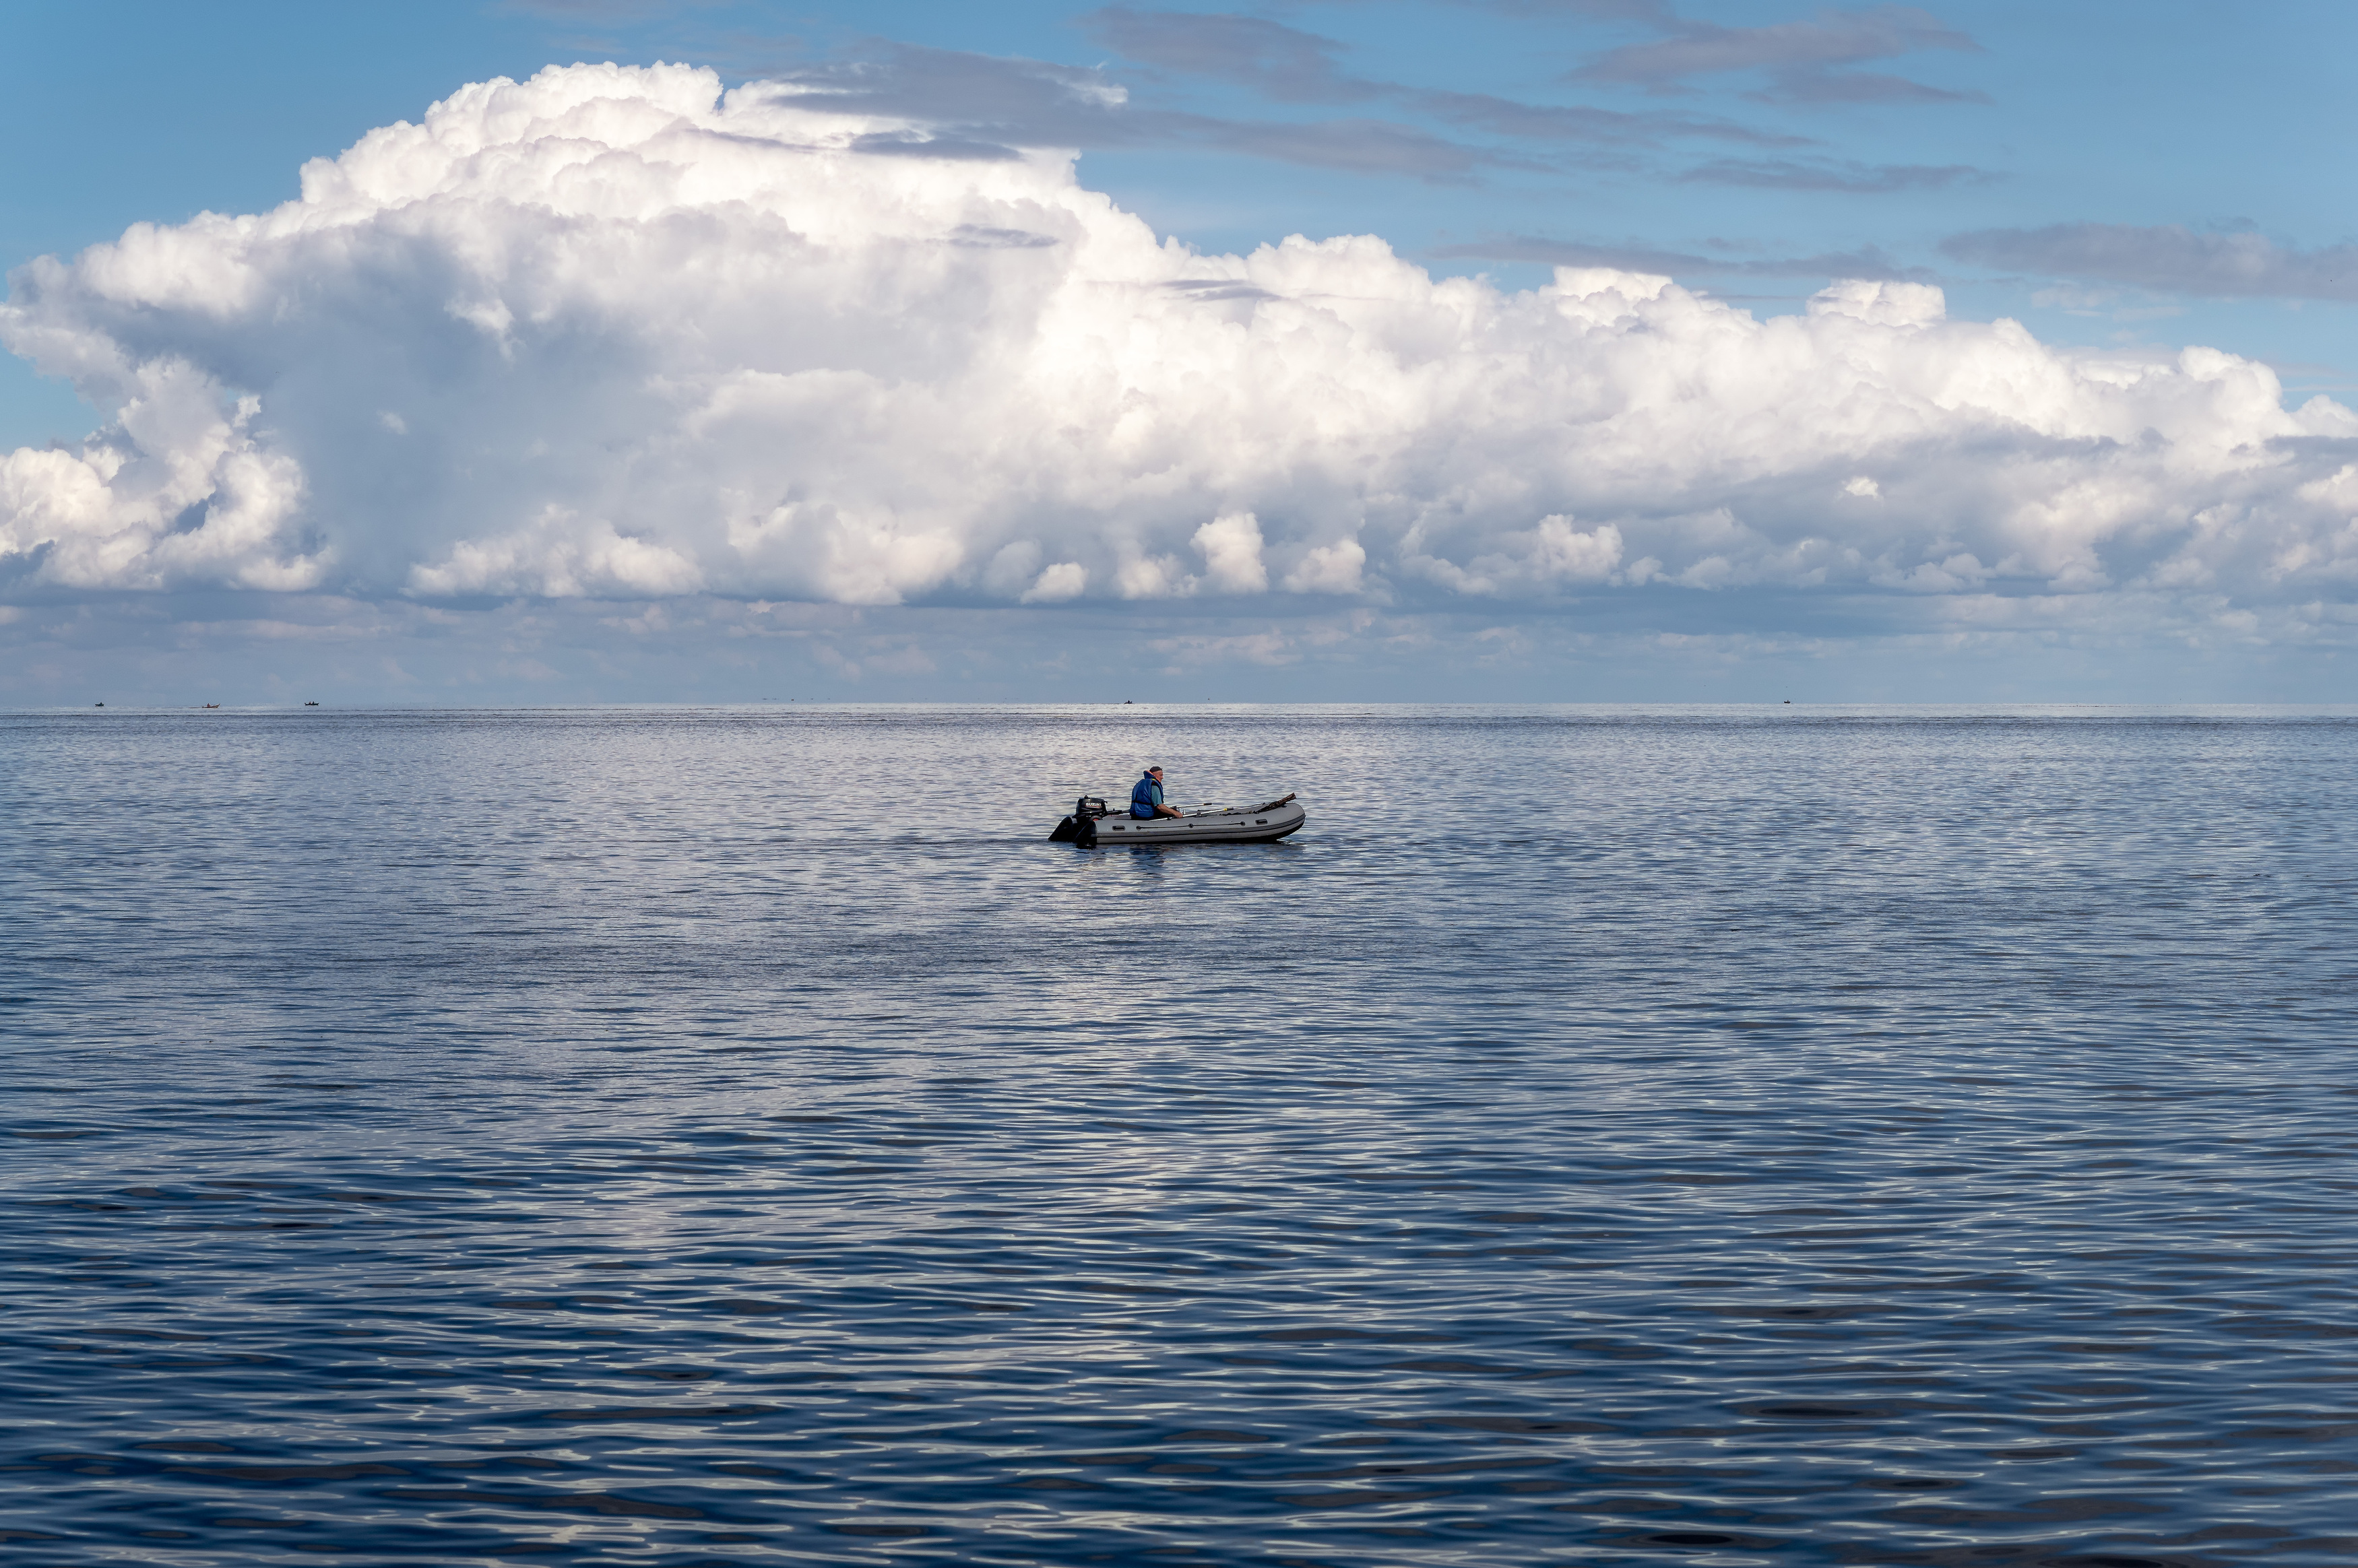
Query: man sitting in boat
x=1146, y=795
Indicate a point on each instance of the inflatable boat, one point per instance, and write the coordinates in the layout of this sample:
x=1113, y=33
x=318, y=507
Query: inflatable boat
x=1091, y=825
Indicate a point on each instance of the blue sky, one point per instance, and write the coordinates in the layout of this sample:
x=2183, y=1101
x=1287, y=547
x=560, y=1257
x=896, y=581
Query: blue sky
x=2126, y=178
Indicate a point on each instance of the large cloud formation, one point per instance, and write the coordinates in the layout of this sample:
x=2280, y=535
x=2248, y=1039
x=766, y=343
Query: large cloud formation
x=617, y=333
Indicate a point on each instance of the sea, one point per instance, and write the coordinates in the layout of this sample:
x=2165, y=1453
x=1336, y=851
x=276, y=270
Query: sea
x=711, y=1135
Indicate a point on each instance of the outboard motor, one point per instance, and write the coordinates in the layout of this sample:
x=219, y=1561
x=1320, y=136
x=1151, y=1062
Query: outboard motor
x=1081, y=826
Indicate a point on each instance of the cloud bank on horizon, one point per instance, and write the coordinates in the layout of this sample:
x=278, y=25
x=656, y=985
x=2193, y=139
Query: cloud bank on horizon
x=617, y=333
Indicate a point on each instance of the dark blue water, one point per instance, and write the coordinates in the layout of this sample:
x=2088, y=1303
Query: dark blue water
x=1706, y=1137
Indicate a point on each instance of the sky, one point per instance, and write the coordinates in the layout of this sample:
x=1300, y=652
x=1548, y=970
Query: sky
x=1503, y=349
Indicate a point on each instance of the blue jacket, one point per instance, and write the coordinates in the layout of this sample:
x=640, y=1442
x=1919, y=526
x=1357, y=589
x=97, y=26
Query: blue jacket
x=1145, y=795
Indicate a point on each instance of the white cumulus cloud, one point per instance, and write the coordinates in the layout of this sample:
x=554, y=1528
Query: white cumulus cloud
x=1232, y=546
x=617, y=333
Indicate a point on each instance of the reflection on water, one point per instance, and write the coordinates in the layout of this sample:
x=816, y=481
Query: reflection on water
x=715, y=1137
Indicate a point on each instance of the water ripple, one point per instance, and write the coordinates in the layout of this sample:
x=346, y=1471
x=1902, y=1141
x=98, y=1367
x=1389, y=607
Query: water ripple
x=1709, y=1138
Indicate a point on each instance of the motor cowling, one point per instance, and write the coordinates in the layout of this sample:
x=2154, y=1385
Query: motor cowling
x=1081, y=826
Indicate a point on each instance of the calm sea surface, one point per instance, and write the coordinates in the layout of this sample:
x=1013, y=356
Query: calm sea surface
x=1603, y=1135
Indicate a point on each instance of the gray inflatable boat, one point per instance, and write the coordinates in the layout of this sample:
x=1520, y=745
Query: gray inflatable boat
x=1092, y=823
